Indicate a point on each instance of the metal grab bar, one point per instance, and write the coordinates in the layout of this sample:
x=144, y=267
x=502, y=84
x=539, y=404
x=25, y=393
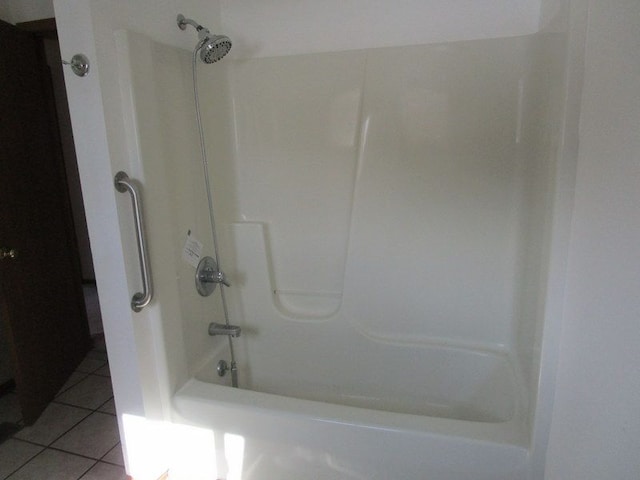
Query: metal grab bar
x=140, y=299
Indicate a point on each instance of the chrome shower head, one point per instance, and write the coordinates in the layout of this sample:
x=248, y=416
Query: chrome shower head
x=212, y=47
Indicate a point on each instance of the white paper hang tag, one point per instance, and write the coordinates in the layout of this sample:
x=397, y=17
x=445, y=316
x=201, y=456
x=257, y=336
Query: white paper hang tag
x=192, y=250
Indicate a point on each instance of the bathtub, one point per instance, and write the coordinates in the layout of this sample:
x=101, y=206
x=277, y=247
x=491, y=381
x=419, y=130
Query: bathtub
x=314, y=433
x=324, y=398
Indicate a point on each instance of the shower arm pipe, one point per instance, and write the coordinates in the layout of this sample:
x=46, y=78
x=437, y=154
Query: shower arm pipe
x=183, y=22
x=140, y=299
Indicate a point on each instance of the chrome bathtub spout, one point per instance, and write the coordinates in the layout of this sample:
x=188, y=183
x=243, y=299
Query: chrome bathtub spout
x=222, y=329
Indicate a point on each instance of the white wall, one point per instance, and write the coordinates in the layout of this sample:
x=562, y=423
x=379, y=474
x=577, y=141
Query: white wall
x=595, y=430
x=288, y=27
x=16, y=11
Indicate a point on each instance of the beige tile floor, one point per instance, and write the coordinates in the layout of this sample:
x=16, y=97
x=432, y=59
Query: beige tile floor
x=77, y=435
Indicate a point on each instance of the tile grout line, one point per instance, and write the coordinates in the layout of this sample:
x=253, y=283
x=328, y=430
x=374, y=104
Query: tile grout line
x=56, y=400
x=108, y=452
x=69, y=429
x=74, y=384
x=50, y=446
x=86, y=374
x=90, y=412
x=55, y=449
x=28, y=460
x=88, y=470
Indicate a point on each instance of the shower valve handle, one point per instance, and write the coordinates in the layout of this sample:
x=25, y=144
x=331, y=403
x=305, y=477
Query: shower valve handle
x=216, y=277
x=208, y=276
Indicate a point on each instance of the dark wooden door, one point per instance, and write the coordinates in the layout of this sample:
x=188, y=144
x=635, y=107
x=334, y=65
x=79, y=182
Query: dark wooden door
x=40, y=288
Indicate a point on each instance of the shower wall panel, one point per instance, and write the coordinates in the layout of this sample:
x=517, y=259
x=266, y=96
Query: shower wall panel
x=394, y=196
x=297, y=129
x=164, y=139
x=391, y=186
x=438, y=197
x=542, y=129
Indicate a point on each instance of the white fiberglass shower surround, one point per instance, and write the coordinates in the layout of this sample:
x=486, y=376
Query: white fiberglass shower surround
x=387, y=218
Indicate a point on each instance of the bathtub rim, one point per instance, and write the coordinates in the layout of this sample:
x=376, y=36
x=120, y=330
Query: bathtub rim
x=512, y=433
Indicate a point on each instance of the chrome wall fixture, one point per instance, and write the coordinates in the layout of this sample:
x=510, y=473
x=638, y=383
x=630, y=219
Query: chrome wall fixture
x=8, y=253
x=79, y=64
x=140, y=299
x=222, y=368
x=224, y=329
x=212, y=47
x=208, y=276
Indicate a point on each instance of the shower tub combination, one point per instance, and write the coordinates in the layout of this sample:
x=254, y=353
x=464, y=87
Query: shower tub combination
x=383, y=223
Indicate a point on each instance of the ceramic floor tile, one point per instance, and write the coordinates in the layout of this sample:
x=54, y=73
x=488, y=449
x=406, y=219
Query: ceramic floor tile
x=97, y=354
x=54, y=421
x=10, y=408
x=104, y=371
x=93, y=437
x=53, y=465
x=90, y=364
x=115, y=456
x=74, y=379
x=91, y=392
x=108, y=407
x=14, y=454
x=104, y=471
x=7, y=430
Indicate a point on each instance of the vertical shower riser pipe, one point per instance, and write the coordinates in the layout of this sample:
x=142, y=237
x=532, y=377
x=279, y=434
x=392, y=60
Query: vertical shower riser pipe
x=212, y=221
